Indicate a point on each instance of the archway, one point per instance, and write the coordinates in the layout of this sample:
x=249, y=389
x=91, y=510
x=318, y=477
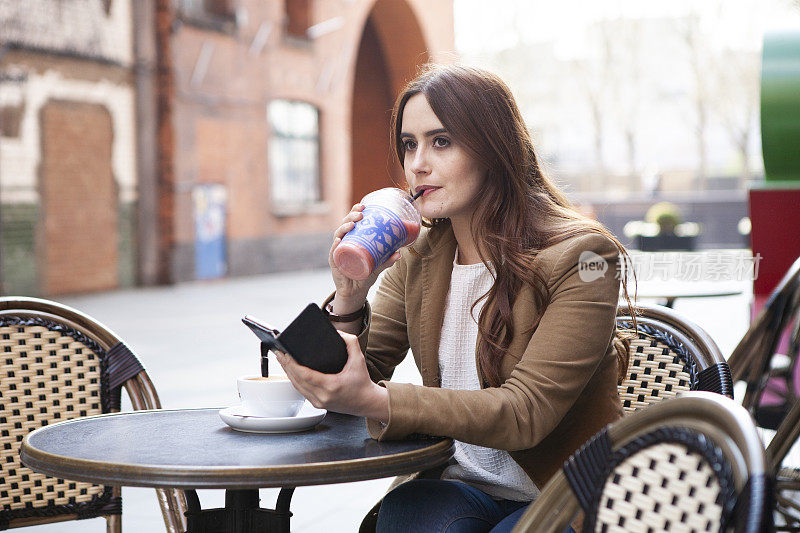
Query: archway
x=391, y=49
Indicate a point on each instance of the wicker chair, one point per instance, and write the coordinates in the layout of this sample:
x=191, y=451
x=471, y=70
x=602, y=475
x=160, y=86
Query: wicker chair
x=757, y=361
x=693, y=463
x=57, y=363
x=669, y=355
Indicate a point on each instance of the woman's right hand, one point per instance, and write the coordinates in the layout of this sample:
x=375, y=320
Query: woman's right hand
x=350, y=293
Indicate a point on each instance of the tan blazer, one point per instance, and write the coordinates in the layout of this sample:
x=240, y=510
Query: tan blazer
x=560, y=381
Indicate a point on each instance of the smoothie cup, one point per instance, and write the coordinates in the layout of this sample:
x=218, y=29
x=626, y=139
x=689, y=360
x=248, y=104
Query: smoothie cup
x=391, y=221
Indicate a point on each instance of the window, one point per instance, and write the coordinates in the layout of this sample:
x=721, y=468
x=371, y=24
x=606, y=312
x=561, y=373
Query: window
x=298, y=18
x=217, y=15
x=293, y=154
x=11, y=119
x=219, y=8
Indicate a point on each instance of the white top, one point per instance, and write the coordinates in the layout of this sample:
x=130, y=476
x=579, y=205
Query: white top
x=492, y=471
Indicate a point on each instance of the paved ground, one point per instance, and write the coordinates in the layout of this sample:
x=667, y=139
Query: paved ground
x=193, y=344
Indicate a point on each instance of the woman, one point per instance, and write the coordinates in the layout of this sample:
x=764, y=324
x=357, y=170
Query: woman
x=507, y=301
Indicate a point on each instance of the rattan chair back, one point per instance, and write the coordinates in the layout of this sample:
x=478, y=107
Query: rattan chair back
x=693, y=463
x=756, y=361
x=56, y=364
x=669, y=355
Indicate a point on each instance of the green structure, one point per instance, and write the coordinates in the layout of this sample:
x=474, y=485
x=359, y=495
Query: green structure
x=773, y=204
x=780, y=107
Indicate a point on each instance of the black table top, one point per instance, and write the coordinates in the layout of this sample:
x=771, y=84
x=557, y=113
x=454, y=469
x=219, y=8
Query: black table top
x=679, y=292
x=194, y=448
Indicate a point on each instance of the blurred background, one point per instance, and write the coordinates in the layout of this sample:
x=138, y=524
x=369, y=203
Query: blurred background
x=167, y=166
x=159, y=141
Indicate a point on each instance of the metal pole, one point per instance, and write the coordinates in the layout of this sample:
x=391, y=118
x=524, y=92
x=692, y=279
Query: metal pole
x=3, y=50
x=165, y=179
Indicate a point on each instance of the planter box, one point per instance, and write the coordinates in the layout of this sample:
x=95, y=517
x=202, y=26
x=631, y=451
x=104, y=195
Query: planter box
x=665, y=242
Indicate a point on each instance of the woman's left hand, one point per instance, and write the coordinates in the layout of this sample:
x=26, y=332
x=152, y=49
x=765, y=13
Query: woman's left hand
x=351, y=391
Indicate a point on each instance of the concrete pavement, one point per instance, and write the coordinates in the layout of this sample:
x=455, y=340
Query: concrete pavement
x=193, y=344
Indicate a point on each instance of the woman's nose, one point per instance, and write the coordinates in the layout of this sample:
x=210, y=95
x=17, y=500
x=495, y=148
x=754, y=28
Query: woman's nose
x=419, y=163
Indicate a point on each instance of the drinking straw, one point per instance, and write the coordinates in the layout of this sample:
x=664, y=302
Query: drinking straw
x=417, y=195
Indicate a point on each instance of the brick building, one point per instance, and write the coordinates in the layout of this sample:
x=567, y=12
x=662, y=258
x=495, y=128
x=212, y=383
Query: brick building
x=67, y=147
x=155, y=141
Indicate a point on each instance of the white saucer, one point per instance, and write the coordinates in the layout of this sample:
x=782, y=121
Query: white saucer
x=308, y=417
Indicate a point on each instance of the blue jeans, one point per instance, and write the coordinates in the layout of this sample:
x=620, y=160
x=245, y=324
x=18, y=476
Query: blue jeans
x=442, y=506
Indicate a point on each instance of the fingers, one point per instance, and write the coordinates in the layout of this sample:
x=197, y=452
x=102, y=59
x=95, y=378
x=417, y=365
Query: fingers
x=301, y=377
x=354, y=214
x=354, y=355
x=347, y=336
x=336, y=242
x=348, y=223
x=290, y=365
x=349, y=339
x=342, y=230
x=344, y=392
x=318, y=388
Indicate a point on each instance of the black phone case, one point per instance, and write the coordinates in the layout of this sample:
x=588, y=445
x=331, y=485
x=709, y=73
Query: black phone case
x=312, y=341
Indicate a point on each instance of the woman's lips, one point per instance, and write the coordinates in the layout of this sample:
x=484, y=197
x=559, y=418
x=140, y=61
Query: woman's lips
x=430, y=190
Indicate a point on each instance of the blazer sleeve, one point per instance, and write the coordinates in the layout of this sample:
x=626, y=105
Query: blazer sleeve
x=384, y=337
x=564, y=352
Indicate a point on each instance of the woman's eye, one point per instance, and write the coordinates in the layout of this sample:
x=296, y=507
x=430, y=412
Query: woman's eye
x=441, y=142
x=409, y=145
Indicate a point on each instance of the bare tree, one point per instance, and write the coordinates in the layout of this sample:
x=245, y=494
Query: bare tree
x=625, y=81
x=689, y=29
x=736, y=103
x=726, y=78
x=594, y=75
x=591, y=81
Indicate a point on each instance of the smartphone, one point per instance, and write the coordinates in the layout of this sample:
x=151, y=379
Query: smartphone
x=310, y=339
x=265, y=332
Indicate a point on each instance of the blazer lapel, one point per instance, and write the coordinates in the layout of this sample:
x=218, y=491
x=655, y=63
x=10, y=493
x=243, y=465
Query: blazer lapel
x=437, y=268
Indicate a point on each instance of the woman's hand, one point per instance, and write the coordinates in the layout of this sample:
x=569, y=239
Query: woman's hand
x=350, y=294
x=351, y=391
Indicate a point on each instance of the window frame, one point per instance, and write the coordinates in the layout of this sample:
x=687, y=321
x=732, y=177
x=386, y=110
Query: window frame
x=283, y=206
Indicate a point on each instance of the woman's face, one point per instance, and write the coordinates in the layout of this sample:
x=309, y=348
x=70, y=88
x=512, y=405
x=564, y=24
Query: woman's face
x=435, y=162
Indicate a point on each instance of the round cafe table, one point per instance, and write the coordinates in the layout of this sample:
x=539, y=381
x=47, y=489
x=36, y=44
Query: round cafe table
x=671, y=292
x=194, y=449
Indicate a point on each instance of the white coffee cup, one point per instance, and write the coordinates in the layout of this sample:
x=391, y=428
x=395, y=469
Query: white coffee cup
x=274, y=396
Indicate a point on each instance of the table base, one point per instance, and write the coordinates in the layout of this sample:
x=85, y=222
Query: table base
x=241, y=514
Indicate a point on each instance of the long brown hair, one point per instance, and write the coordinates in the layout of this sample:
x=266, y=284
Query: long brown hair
x=479, y=111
